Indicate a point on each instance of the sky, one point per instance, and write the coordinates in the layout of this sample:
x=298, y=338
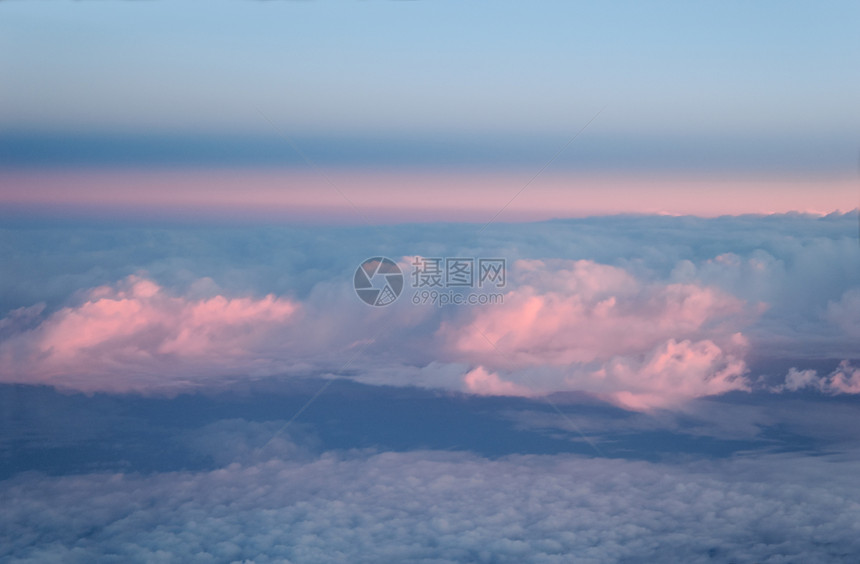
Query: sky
x=429, y=282
x=756, y=101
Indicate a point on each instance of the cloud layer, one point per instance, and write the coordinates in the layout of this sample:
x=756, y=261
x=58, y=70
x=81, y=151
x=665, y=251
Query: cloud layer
x=442, y=507
x=582, y=325
x=646, y=312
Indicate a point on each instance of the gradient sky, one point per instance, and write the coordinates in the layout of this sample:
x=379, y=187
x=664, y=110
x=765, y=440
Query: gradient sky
x=772, y=68
x=716, y=88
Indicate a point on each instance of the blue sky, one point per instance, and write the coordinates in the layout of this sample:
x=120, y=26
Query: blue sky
x=772, y=79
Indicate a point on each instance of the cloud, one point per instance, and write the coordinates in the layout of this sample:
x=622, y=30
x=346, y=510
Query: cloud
x=845, y=313
x=119, y=333
x=583, y=311
x=629, y=308
x=137, y=335
x=19, y=320
x=844, y=380
x=666, y=378
x=672, y=374
x=798, y=379
x=484, y=383
x=580, y=325
x=432, y=506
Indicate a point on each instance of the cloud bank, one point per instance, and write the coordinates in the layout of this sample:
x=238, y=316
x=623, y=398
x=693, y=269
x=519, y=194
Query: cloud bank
x=429, y=506
x=582, y=325
x=646, y=312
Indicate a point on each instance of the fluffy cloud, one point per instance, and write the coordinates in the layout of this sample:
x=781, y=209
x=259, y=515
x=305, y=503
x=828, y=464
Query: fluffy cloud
x=674, y=373
x=443, y=507
x=582, y=311
x=137, y=328
x=137, y=335
x=580, y=325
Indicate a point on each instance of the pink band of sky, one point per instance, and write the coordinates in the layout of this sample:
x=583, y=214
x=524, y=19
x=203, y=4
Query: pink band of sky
x=409, y=196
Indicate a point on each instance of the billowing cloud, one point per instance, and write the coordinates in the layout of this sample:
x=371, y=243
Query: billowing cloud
x=673, y=373
x=581, y=312
x=119, y=333
x=580, y=325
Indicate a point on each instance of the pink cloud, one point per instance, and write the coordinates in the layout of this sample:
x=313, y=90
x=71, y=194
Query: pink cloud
x=673, y=373
x=565, y=325
x=579, y=325
x=580, y=311
x=137, y=329
x=664, y=378
x=845, y=379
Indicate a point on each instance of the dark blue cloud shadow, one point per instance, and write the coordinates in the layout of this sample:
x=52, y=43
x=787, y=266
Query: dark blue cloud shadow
x=59, y=433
